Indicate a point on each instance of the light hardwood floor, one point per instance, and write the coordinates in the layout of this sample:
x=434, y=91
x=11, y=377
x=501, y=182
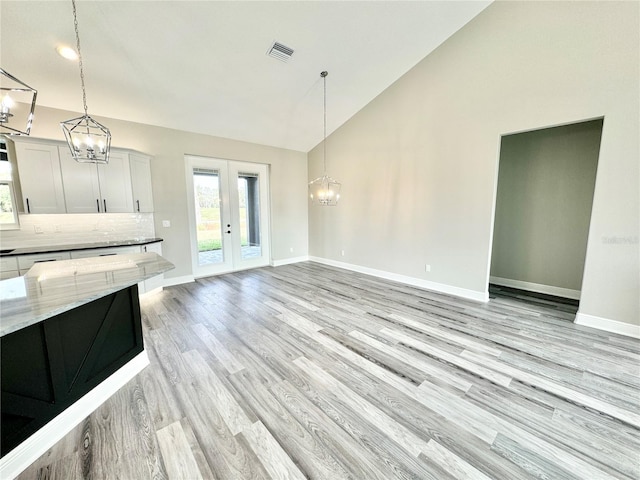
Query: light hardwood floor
x=306, y=371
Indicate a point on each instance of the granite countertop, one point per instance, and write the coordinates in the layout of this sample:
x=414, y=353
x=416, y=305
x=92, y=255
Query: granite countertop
x=51, y=288
x=79, y=246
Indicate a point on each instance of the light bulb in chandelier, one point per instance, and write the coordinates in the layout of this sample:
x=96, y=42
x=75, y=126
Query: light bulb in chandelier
x=5, y=108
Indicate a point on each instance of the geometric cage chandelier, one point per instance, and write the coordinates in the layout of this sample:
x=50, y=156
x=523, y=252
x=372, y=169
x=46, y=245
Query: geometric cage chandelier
x=324, y=191
x=88, y=140
x=17, y=104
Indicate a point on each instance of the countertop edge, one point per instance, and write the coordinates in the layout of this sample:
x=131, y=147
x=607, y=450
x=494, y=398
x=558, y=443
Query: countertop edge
x=80, y=246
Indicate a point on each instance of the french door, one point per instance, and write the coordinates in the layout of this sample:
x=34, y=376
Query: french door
x=228, y=215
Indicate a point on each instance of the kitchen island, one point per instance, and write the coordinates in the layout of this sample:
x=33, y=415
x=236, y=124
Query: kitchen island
x=71, y=335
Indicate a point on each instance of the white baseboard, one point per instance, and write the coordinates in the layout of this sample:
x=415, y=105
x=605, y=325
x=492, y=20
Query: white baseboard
x=16, y=461
x=478, y=296
x=289, y=261
x=168, y=282
x=536, y=287
x=606, y=324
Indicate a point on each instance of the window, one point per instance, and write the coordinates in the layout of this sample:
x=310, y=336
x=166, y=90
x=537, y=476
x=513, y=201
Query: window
x=8, y=206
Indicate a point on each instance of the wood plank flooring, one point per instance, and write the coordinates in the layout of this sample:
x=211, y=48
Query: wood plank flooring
x=307, y=371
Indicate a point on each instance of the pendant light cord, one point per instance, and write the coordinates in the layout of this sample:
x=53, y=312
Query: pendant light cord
x=324, y=142
x=75, y=24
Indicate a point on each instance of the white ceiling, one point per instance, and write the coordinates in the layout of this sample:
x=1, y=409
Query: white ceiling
x=201, y=66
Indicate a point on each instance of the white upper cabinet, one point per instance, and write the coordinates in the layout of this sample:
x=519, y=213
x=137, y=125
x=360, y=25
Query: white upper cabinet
x=115, y=184
x=91, y=188
x=81, y=185
x=141, y=182
x=40, y=177
x=53, y=182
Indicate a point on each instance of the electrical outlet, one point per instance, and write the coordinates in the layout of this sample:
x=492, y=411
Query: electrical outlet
x=58, y=228
x=166, y=223
x=342, y=253
x=291, y=249
x=38, y=229
x=427, y=268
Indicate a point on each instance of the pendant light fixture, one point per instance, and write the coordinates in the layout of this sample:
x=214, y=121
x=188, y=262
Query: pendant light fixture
x=17, y=99
x=88, y=140
x=324, y=190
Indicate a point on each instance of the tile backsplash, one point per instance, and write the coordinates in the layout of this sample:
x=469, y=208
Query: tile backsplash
x=62, y=229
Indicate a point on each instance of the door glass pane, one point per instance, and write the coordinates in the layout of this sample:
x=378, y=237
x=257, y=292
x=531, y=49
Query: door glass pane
x=206, y=187
x=250, y=245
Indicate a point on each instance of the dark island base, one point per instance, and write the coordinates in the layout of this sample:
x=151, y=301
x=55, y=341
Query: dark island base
x=50, y=365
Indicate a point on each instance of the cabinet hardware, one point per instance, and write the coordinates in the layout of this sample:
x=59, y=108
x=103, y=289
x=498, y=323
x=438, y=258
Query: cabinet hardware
x=104, y=200
x=98, y=204
x=28, y=207
x=138, y=202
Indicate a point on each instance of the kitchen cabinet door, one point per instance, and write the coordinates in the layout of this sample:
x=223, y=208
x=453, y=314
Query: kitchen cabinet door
x=25, y=262
x=152, y=248
x=8, y=267
x=141, y=182
x=154, y=282
x=81, y=185
x=104, y=252
x=40, y=177
x=115, y=184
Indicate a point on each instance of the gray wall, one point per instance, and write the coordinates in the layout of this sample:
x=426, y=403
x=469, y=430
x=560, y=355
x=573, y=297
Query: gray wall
x=543, y=208
x=288, y=176
x=419, y=164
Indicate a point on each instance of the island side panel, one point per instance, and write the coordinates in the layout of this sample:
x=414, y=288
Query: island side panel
x=50, y=365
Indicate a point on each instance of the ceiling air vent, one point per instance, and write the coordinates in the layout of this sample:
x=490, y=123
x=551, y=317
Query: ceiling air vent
x=280, y=51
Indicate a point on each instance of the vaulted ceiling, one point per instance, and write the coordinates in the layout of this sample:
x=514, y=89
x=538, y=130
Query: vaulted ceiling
x=201, y=66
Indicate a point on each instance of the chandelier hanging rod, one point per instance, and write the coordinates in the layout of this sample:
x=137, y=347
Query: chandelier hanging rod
x=75, y=27
x=324, y=74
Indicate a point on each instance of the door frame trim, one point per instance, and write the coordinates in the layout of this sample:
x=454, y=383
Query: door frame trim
x=190, y=160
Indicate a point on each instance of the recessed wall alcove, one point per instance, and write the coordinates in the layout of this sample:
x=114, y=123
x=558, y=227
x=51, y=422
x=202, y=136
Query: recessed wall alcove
x=546, y=181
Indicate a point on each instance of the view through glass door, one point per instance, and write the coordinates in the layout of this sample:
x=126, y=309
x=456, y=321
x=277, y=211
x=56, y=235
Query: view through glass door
x=228, y=215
